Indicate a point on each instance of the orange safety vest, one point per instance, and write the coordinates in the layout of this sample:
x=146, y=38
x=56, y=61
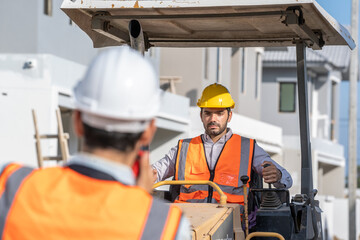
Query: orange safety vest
x=62, y=203
x=235, y=160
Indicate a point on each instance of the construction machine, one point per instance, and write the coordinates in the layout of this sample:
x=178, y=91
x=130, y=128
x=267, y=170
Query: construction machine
x=228, y=23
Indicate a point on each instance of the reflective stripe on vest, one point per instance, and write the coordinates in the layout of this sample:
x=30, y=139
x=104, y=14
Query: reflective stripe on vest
x=157, y=222
x=234, y=161
x=12, y=185
x=183, y=146
x=70, y=205
x=5, y=173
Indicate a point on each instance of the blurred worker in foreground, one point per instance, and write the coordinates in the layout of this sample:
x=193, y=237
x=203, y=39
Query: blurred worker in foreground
x=96, y=195
x=218, y=155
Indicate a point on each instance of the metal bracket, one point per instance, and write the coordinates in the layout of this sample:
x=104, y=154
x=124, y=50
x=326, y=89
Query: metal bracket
x=104, y=27
x=294, y=19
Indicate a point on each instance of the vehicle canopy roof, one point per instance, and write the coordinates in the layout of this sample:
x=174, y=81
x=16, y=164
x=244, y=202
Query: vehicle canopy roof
x=209, y=23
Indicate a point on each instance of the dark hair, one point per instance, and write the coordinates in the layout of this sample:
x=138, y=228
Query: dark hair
x=98, y=138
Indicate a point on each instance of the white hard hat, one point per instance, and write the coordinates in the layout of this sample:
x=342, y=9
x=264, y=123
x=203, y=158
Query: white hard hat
x=120, y=91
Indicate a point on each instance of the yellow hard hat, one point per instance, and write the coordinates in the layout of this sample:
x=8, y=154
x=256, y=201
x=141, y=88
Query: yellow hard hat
x=216, y=96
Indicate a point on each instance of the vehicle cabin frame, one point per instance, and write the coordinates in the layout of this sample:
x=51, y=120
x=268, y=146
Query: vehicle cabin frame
x=221, y=23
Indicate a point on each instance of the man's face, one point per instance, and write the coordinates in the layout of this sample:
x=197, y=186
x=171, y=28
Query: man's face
x=215, y=120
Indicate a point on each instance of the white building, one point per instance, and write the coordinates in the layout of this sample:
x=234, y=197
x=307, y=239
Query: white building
x=326, y=69
x=42, y=56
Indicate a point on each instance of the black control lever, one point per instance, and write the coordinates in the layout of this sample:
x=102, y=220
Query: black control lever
x=265, y=166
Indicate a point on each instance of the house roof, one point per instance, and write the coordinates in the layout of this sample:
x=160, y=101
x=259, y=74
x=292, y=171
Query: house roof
x=337, y=56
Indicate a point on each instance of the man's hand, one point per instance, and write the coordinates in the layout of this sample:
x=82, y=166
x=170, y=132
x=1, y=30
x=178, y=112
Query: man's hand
x=145, y=177
x=271, y=174
x=154, y=172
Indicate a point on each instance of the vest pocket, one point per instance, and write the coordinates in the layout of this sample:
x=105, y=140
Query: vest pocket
x=198, y=170
x=227, y=179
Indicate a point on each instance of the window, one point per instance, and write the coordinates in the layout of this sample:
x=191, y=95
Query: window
x=242, y=78
x=152, y=53
x=257, y=75
x=218, y=65
x=234, y=51
x=48, y=7
x=206, y=64
x=287, y=97
x=332, y=110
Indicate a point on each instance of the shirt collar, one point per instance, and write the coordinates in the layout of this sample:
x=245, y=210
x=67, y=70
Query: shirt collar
x=223, y=139
x=120, y=172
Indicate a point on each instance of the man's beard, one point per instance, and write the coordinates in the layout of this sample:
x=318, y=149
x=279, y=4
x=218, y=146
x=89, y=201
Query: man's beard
x=213, y=132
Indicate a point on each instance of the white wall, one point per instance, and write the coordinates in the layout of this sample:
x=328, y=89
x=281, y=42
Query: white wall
x=246, y=103
x=23, y=89
x=335, y=216
x=188, y=65
x=341, y=220
x=16, y=123
x=26, y=29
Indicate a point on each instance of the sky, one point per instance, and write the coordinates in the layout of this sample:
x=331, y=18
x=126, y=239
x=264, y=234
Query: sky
x=339, y=9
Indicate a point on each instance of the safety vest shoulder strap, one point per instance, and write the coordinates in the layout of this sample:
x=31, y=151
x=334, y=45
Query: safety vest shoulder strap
x=163, y=221
x=13, y=176
x=247, y=155
x=6, y=171
x=183, y=146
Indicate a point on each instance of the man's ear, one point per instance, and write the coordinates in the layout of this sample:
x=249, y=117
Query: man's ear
x=148, y=134
x=78, y=124
x=230, y=116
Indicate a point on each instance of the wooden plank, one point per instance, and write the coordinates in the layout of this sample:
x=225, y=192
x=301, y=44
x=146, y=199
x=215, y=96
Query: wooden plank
x=38, y=143
x=62, y=138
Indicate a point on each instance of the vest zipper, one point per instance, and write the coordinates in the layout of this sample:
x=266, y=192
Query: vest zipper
x=210, y=189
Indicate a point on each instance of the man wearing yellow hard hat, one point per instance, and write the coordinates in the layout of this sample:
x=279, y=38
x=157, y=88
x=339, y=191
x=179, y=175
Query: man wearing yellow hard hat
x=218, y=155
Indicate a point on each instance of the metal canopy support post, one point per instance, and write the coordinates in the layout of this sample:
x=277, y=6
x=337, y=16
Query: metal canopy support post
x=313, y=223
x=352, y=156
x=306, y=163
